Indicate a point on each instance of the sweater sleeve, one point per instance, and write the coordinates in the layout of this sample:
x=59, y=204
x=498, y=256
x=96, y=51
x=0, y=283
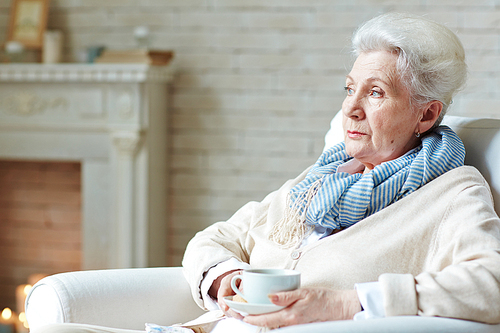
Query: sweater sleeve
x=462, y=279
x=220, y=242
x=229, y=239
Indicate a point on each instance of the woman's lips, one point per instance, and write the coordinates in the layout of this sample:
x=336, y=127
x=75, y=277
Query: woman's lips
x=355, y=134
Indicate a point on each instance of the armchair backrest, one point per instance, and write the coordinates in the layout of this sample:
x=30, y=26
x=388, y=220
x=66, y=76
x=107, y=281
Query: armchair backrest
x=481, y=137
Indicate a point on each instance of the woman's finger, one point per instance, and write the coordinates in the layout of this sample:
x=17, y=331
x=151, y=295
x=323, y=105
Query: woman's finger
x=271, y=320
x=234, y=314
x=286, y=298
x=226, y=290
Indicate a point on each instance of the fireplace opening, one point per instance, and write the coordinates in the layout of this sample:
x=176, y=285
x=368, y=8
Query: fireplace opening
x=40, y=222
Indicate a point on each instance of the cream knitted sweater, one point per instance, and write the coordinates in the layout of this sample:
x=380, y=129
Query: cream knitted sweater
x=436, y=252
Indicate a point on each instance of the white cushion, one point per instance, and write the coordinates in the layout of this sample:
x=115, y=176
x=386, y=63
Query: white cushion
x=335, y=134
x=481, y=138
x=122, y=298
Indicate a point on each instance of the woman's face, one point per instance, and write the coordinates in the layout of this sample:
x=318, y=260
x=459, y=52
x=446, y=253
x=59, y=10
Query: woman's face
x=379, y=123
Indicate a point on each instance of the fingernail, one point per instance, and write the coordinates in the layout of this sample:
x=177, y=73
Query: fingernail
x=273, y=297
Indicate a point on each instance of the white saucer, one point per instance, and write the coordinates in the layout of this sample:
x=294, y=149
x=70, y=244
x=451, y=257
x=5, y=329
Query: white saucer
x=253, y=309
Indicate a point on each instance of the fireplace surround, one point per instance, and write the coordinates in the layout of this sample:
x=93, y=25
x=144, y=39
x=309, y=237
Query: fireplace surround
x=112, y=118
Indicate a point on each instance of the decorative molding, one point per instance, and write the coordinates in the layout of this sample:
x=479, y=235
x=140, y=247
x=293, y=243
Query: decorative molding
x=126, y=142
x=85, y=73
x=27, y=103
x=60, y=102
x=124, y=105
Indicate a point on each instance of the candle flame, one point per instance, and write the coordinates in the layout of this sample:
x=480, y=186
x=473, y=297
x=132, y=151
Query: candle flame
x=6, y=314
x=27, y=289
x=22, y=319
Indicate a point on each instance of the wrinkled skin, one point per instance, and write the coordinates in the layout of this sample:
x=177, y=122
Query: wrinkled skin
x=380, y=124
x=307, y=305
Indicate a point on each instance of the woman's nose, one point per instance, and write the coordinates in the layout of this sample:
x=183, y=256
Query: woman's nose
x=353, y=107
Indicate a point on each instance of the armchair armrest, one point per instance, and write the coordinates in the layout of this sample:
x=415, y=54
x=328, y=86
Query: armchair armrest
x=397, y=324
x=129, y=298
x=120, y=298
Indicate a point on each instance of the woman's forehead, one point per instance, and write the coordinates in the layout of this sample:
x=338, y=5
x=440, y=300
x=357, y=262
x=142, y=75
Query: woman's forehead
x=375, y=66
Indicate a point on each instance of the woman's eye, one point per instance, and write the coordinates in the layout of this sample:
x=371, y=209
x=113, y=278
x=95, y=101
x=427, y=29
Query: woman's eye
x=349, y=91
x=376, y=93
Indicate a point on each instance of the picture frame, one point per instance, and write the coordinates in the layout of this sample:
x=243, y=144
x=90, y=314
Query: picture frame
x=28, y=21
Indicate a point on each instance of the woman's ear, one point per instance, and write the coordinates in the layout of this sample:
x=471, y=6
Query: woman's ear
x=430, y=114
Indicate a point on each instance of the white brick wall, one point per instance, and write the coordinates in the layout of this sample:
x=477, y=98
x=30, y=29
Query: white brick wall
x=258, y=82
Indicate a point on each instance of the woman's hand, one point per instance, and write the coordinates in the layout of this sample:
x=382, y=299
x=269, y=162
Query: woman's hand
x=308, y=305
x=221, y=288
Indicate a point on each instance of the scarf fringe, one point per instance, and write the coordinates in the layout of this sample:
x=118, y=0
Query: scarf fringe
x=292, y=228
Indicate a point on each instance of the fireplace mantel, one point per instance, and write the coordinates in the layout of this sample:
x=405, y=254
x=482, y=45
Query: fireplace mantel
x=113, y=119
x=133, y=73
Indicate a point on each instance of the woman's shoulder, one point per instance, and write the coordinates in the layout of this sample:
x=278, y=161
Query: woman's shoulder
x=463, y=176
x=465, y=182
x=455, y=182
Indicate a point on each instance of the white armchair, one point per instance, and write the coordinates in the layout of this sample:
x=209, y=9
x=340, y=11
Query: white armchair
x=129, y=298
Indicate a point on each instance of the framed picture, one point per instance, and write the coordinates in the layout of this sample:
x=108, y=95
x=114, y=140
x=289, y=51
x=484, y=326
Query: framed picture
x=28, y=21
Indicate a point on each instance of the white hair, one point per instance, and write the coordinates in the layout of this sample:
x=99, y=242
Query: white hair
x=431, y=58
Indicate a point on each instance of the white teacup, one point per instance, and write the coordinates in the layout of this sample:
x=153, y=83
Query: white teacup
x=258, y=284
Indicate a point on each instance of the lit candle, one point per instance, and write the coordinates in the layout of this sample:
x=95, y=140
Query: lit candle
x=7, y=321
x=22, y=324
x=21, y=292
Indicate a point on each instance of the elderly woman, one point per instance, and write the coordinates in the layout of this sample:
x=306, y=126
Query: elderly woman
x=388, y=222
x=390, y=219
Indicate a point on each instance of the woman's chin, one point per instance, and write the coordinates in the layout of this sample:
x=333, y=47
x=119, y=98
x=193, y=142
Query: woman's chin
x=356, y=149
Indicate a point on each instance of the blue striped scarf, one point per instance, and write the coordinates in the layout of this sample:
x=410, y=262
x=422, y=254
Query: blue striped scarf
x=338, y=200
